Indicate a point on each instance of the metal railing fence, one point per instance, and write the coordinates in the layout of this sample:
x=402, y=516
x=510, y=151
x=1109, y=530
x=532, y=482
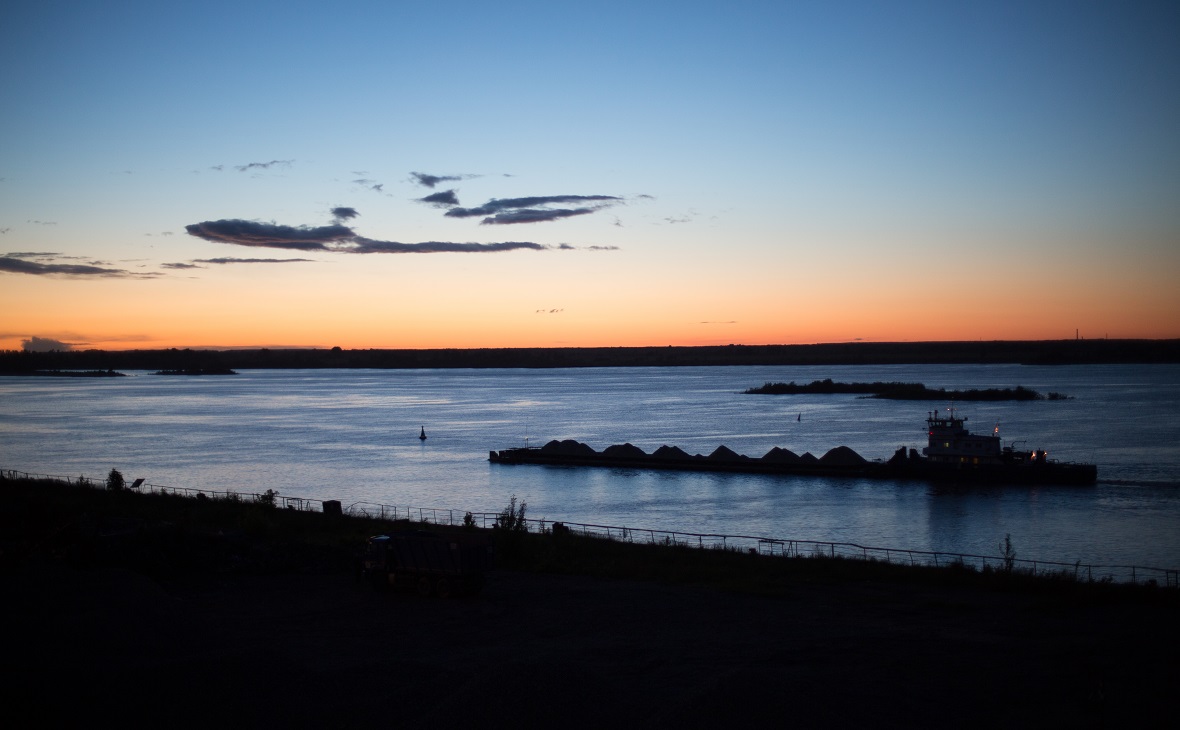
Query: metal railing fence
x=1169, y=577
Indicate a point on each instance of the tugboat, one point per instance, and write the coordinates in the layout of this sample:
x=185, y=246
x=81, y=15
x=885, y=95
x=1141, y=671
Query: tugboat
x=954, y=453
x=952, y=443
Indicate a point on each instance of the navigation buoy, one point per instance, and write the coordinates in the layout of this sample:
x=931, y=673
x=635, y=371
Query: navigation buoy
x=422, y=436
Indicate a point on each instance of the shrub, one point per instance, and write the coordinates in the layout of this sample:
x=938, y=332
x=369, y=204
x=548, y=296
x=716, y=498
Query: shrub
x=1007, y=553
x=511, y=519
x=267, y=498
x=115, y=480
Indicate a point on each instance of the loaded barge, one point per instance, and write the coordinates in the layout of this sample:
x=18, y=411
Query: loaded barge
x=953, y=454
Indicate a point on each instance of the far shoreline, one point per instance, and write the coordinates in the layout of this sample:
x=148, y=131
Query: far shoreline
x=996, y=352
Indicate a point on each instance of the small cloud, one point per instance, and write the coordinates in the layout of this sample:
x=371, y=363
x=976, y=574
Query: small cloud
x=444, y=199
x=44, y=223
x=550, y=311
x=429, y=181
x=44, y=344
x=4, y=230
x=732, y=321
x=602, y=248
x=180, y=266
x=342, y=214
x=218, y=168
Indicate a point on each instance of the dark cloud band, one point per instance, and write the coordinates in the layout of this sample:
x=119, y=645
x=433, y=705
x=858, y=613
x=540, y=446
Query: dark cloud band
x=270, y=235
x=334, y=238
x=504, y=211
x=19, y=266
x=366, y=245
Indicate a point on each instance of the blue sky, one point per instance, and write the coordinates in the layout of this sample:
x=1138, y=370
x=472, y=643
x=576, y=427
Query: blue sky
x=749, y=158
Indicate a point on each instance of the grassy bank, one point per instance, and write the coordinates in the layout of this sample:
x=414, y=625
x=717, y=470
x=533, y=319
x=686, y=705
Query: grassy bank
x=170, y=536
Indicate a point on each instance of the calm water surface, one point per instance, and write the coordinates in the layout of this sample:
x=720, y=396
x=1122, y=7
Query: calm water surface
x=352, y=435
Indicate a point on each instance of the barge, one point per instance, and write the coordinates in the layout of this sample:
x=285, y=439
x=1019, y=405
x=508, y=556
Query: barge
x=952, y=454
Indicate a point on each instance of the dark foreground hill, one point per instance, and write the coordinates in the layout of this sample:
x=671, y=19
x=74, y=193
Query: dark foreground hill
x=1044, y=352
x=150, y=611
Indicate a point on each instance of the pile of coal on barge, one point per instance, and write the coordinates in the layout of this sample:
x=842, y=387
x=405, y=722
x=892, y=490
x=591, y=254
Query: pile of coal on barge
x=953, y=454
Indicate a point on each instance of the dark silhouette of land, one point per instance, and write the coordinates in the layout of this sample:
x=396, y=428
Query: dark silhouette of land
x=181, y=612
x=901, y=391
x=1045, y=352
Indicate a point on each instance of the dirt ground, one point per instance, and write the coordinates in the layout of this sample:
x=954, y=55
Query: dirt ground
x=109, y=645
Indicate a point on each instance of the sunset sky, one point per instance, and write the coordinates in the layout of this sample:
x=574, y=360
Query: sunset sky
x=532, y=174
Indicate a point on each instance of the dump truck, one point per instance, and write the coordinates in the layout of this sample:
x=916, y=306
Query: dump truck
x=430, y=563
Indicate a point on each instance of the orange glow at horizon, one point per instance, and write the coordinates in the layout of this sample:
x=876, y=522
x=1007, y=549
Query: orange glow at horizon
x=589, y=302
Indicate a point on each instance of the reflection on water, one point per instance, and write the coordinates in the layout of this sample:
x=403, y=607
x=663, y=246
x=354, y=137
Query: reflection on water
x=352, y=436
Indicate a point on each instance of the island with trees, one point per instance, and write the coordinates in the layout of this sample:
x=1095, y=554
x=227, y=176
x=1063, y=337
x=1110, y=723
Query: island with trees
x=902, y=391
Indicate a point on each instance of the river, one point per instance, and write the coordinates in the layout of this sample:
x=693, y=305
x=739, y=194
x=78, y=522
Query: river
x=352, y=435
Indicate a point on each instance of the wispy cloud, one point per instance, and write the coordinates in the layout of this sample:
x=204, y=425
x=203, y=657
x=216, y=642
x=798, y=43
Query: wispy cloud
x=231, y=260
x=366, y=245
x=429, y=181
x=370, y=184
x=14, y=265
x=199, y=263
x=506, y=211
x=261, y=165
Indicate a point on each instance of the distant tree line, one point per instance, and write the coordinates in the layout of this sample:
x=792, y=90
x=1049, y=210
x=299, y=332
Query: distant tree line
x=1045, y=352
x=902, y=391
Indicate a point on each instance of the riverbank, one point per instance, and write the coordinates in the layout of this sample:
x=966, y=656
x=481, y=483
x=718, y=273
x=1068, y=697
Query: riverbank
x=189, y=612
x=1042, y=352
